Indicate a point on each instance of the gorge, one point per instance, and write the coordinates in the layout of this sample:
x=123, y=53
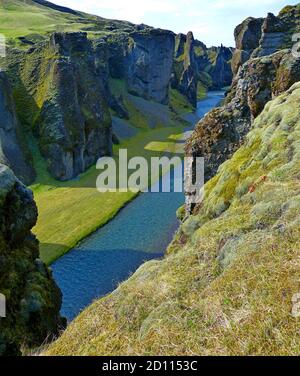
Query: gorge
x=77, y=87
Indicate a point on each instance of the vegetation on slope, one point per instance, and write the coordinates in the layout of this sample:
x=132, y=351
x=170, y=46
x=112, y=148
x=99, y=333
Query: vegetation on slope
x=228, y=282
x=24, y=22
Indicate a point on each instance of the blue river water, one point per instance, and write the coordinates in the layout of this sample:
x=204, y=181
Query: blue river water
x=139, y=233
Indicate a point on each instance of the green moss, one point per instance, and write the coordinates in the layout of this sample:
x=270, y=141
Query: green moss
x=179, y=103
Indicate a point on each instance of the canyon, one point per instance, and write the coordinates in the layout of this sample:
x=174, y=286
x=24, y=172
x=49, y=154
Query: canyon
x=72, y=94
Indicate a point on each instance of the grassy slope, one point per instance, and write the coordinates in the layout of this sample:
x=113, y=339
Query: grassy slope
x=20, y=18
x=227, y=284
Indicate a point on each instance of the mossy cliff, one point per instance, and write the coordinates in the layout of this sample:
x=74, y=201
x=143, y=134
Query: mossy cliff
x=228, y=283
x=61, y=64
x=197, y=68
x=222, y=131
x=13, y=150
x=33, y=300
x=58, y=89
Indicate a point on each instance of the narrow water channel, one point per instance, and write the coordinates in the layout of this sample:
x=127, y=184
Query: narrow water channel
x=140, y=232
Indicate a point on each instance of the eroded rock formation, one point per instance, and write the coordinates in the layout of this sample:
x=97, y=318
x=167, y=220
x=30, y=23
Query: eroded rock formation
x=33, y=300
x=196, y=65
x=63, y=80
x=256, y=37
x=12, y=148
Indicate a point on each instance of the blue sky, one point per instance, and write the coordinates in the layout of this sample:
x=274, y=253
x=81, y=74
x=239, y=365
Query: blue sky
x=211, y=21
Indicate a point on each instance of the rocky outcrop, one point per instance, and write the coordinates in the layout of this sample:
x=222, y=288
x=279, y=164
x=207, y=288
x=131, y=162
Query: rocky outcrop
x=247, y=36
x=273, y=34
x=221, y=71
x=150, y=62
x=185, y=73
x=223, y=130
x=33, y=300
x=12, y=148
x=143, y=58
x=195, y=65
x=63, y=82
x=262, y=37
x=261, y=74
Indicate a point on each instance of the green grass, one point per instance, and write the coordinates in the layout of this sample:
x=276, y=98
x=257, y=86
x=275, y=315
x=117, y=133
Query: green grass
x=201, y=91
x=179, y=103
x=20, y=18
x=227, y=285
x=70, y=211
x=24, y=18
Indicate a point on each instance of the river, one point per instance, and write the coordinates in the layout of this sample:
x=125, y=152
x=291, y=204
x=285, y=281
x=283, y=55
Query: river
x=140, y=232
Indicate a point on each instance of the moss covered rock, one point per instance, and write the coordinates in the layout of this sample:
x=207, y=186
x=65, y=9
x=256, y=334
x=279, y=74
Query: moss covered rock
x=256, y=37
x=60, y=85
x=33, y=300
x=197, y=67
x=13, y=151
x=222, y=131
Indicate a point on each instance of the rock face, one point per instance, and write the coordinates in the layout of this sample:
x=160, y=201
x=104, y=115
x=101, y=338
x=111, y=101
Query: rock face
x=262, y=37
x=258, y=80
x=33, y=300
x=71, y=118
x=247, y=36
x=223, y=130
x=149, y=64
x=62, y=90
x=143, y=58
x=11, y=151
x=185, y=74
x=221, y=71
x=195, y=65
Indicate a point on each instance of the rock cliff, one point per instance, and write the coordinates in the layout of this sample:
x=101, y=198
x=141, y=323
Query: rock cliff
x=222, y=130
x=33, y=300
x=258, y=80
x=143, y=58
x=61, y=82
x=12, y=148
x=196, y=66
x=247, y=36
x=262, y=37
x=221, y=71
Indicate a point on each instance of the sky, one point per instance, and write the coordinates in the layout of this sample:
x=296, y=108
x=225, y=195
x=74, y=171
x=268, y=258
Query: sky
x=212, y=22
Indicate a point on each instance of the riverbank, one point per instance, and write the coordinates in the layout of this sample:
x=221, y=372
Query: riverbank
x=141, y=232
x=70, y=211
